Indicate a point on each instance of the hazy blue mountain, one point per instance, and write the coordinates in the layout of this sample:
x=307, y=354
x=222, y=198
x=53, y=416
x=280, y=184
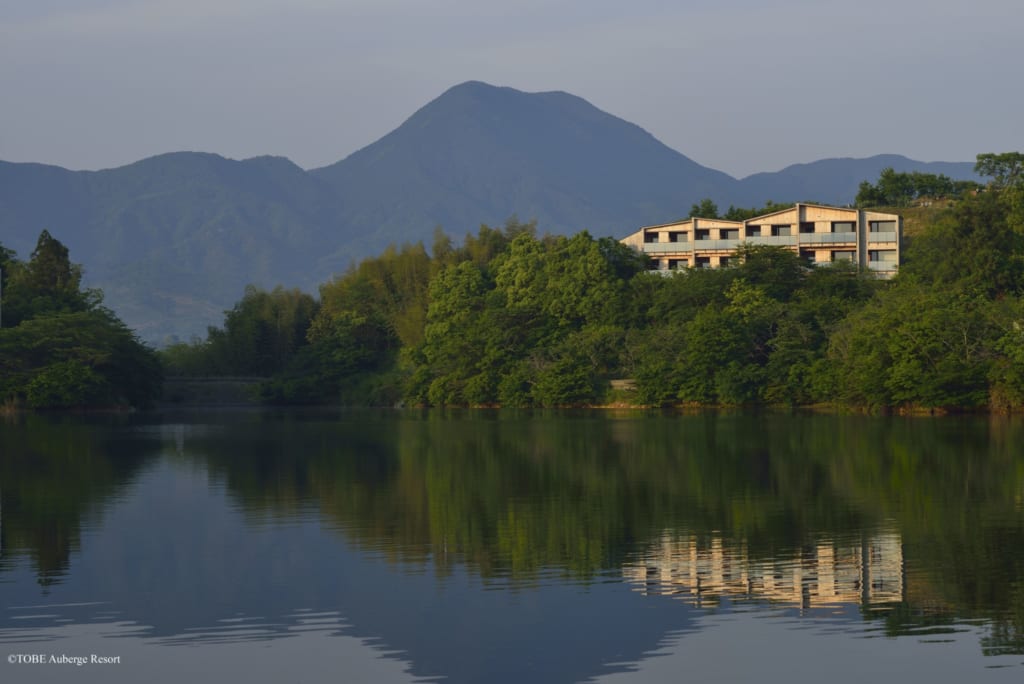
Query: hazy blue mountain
x=479, y=153
x=174, y=239
x=834, y=181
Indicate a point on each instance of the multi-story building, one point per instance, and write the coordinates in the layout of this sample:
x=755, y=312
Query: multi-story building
x=818, y=233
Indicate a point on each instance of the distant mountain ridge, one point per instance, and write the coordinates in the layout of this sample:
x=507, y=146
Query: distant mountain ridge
x=173, y=239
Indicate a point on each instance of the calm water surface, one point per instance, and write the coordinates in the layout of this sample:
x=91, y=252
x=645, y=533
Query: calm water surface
x=258, y=546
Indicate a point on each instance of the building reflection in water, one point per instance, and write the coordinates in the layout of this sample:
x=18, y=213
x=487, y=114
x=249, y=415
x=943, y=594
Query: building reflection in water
x=704, y=569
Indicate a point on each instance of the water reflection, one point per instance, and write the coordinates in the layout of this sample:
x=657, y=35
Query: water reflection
x=506, y=546
x=868, y=572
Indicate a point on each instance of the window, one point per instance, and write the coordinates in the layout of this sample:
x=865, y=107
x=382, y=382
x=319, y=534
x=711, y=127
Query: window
x=679, y=236
x=729, y=234
x=807, y=227
x=702, y=234
x=882, y=255
x=844, y=227
x=653, y=264
x=882, y=226
x=781, y=231
x=724, y=261
x=676, y=264
x=650, y=237
x=753, y=231
x=842, y=256
x=703, y=262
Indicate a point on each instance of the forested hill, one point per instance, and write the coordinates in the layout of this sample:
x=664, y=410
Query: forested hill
x=174, y=239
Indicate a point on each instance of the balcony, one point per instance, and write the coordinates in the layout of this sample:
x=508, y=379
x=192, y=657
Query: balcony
x=777, y=240
x=882, y=237
x=827, y=238
x=667, y=247
x=704, y=245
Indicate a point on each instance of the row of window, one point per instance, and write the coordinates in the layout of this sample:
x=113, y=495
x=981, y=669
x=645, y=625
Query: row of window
x=779, y=230
x=876, y=256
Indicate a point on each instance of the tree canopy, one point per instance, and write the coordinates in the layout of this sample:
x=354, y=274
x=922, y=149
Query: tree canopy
x=59, y=348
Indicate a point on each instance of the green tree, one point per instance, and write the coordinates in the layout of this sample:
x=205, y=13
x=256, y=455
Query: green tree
x=705, y=209
x=916, y=346
x=83, y=358
x=740, y=214
x=1005, y=169
x=975, y=248
x=455, y=340
x=48, y=282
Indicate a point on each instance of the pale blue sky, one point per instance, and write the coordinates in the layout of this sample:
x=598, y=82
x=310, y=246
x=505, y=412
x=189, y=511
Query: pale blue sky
x=738, y=85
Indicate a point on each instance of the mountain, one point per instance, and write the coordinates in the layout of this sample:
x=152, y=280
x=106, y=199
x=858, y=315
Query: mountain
x=478, y=154
x=174, y=239
x=835, y=181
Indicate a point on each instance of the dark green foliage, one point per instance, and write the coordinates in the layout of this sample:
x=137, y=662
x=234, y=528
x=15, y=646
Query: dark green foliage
x=261, y=334
x=1007, y=369
x=916, y=346
x=776, y=270
x=80, y=359
x=58, y=347
x=541, y=323
x=705, y=209
x=740, y=214
x=1006, y=169
x=895, y=189
x=975, y=248
x=47, y=283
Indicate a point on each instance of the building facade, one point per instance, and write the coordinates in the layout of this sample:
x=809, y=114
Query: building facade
x=820, y=234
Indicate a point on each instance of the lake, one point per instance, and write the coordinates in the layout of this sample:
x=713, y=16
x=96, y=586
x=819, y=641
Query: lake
x=500, y=546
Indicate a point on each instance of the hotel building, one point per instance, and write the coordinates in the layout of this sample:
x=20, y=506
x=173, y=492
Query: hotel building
x=820, y=234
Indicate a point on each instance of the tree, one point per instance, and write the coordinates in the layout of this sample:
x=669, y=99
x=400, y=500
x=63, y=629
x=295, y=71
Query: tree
x=1006, y=169
x=897, y=189
x=8, y=261
x=974, y=248
x=777, y=270
x=84, y=358
x=58, y=347
x=916, y=346
x=50, y=268
x=47, y=283
x=741, y=214
x=455, y=340
x=705, y=209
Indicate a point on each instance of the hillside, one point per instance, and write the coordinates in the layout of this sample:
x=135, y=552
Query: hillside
x=174, y=239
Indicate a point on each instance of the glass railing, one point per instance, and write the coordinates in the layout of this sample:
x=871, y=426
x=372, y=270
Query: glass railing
x=882, y=237
x=666, y=247
x=782, y=240
x=716, y=244
x=827, y=238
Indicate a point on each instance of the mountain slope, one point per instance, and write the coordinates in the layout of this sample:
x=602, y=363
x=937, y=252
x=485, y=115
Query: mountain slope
x=173, y=239
x=479, y=153
x=835, y=181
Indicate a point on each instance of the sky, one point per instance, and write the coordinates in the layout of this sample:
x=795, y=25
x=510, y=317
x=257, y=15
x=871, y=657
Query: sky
x=738, y=85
